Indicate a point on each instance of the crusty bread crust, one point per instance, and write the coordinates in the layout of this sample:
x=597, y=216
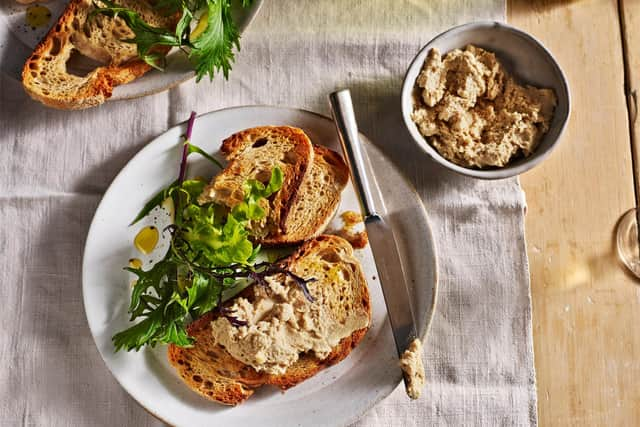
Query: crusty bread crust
x=317, y=200
x=208, y=369
x=45, y=77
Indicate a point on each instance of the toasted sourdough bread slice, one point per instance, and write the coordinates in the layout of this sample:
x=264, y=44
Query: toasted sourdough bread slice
x=45, y=76
x=208, y=369
x=311, y=191
x=317, y=200
x=252, y=154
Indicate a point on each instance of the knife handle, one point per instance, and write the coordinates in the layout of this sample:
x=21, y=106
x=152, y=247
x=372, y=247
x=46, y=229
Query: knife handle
x=347, y=127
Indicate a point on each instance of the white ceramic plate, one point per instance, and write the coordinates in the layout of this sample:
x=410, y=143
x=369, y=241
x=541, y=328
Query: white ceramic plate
x=17, y=40
x=336, y=396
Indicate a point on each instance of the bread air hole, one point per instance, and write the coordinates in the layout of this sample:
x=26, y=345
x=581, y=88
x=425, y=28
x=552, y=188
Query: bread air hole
x=86, y=30
x=260, y=143
x=330, y=257
x=56, y=45
x=80, y=65
x=290, y=157
x=121, y=32
x=263, y=176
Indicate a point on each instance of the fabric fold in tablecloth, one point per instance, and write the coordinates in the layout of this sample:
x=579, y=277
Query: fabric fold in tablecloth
x=56, y=165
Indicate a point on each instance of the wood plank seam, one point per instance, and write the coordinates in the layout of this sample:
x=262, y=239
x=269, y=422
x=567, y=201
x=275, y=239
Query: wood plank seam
x=632, y=108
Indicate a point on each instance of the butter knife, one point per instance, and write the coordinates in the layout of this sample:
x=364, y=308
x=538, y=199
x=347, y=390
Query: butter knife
x=383, y=245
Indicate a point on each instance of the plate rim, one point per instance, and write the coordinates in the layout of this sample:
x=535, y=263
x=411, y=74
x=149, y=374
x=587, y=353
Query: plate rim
x=368, y=144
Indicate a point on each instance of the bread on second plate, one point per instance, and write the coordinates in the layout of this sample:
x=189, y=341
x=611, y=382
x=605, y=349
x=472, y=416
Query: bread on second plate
x=46, y=77
x=314, y=178
x=340, y=286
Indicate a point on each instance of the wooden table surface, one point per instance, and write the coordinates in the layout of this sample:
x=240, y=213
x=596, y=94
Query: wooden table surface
x=586, y=306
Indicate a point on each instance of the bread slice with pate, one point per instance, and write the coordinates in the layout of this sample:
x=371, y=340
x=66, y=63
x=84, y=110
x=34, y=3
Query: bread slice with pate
x=339, y=292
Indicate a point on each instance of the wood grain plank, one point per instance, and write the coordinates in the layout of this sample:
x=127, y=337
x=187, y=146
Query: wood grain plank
x=586, y=307
x=630, y=22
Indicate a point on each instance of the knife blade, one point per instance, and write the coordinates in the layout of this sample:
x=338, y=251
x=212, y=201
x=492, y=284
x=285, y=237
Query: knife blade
x=391, y=275
x=382, y=239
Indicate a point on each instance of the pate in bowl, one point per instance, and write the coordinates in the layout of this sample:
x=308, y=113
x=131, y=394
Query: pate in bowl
x=485, y=100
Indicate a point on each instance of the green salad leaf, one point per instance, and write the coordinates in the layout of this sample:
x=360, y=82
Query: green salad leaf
x=195, y=149
x=146, y=37
x=190, y=189
x=209, y=46
x=210, y=251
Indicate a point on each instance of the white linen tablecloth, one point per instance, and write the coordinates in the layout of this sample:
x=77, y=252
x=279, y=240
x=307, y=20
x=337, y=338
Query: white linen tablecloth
x=56, y=165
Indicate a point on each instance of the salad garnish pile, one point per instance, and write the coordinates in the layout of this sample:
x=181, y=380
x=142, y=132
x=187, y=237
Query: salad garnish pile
x=209, y=46
x=211, y=250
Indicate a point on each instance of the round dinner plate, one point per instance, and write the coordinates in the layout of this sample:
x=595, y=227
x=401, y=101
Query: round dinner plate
x=17, y=40
x=338, y=395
